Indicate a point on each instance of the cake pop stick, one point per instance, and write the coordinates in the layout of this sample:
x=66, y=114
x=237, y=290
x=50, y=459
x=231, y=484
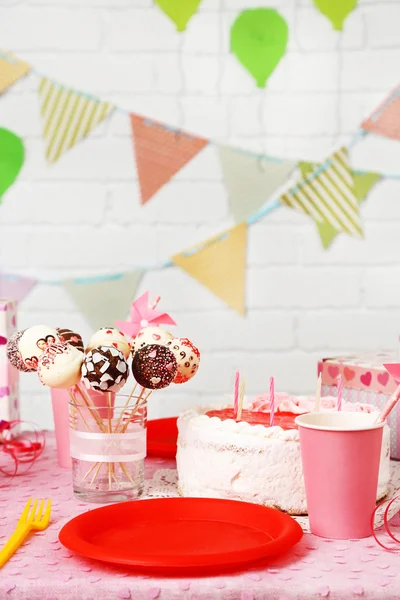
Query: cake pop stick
x=236, y=395
x=339, y=392
x=241, y=398
x=317, y=407
x=389, y=406
x=271, y=401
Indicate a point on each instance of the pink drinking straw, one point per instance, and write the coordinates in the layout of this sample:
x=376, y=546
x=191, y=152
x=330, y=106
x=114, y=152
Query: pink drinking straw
x=271, y=401
x=236, y=395
x=339, y=392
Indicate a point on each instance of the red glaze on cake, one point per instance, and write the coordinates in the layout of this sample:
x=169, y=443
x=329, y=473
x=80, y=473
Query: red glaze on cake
x=285, y=420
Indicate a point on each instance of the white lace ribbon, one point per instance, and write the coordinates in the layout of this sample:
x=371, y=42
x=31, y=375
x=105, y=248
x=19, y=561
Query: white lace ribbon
x=108, y=447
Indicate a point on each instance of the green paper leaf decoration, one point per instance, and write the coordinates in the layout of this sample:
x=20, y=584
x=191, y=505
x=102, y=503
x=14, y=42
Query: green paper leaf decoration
x=179, y=11
x=258, y=39
x=336, y=10
x=12, y=156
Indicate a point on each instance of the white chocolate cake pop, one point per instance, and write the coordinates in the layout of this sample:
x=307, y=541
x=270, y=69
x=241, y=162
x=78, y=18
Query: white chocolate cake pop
x=110, y=336
x=148, y=336
x=60, y=366
x=34, y=341
x=14, y=355
x=187, y=356
x=105, y=369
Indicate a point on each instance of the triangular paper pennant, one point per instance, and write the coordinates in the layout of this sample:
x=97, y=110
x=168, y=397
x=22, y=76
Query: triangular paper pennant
x=11, y=69
x=68, y=117
x=385, y=120
x=104, y=300
x=328, y=195
x=251, y=179
x=364, y=182
x=15, y=287
x=160, y=153
x=220, y=265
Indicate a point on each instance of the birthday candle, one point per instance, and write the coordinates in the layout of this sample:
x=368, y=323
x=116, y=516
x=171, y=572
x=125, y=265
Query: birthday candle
x=236, y=395
x=339, y=392
x=318, y=394
x=241, y=398
x=271, y=401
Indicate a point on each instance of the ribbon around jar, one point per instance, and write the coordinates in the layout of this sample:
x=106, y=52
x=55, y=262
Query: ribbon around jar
x=108, y=447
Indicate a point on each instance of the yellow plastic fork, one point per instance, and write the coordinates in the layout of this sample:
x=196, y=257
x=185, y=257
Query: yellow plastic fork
x=32, y=519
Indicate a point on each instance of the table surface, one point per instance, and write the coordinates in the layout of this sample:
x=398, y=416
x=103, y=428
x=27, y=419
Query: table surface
x=44, y=570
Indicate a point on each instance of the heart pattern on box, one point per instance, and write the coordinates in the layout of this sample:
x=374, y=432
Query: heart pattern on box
x=366, y=378
x=349, y=374
x=383, y=378
x=333, y=371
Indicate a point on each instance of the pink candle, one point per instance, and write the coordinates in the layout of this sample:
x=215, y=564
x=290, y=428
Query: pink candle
x=236, y=395
x=339, y=392
x=271, y=401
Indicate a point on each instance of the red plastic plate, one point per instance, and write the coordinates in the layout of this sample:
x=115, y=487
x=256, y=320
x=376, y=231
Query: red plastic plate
x=181, y=535
x=162, y=437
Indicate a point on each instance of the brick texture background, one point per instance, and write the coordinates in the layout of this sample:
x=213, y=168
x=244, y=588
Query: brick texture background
x=82, y=216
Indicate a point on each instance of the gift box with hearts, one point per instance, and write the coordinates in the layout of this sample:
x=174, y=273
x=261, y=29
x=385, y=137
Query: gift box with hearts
x=9, y=376
x=366, y=380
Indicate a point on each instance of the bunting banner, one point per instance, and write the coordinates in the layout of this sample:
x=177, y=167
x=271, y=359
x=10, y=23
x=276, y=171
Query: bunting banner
x=104, y=300
x=250, y=179
x=12, y=155
x=11, y=69
x=385, y=120
x=328, y=195
x=220, y=265
x=68, y=117
x=15, y=286
x=160, y=153
x=363, y=183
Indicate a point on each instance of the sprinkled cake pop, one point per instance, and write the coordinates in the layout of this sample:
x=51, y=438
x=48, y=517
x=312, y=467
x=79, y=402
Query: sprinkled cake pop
x=150, y=335
x=105, y=369
x=154, y=366
x=34, y=341
x=109, y=336
x=70, y=337
x=14, y=355
x=187, y=357
x=59, y=366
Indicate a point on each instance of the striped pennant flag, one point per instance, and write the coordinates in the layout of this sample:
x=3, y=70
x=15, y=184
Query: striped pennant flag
x=68, y=117
x=328, y=195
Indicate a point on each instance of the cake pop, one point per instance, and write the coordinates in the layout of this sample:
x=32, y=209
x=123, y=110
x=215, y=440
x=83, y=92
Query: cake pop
x=154, y=366
x=187, y=357
x=34, y=341
x=110, y=337
x=70, y=337
x=105, y=369
x=59, y=366
x=13, y=353
x=149, y=335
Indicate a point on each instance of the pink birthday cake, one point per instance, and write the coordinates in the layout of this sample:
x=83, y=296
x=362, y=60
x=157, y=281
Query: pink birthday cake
x=248, y=460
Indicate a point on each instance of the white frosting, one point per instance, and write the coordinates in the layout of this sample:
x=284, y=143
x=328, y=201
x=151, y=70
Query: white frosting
x=228, y=459
x=60, y=366
x=110, y=337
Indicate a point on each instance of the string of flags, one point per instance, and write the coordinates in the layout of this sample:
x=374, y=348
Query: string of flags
x=329, y=192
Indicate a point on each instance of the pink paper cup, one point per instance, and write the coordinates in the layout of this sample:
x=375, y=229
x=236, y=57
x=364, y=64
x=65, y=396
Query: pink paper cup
x=340, y=453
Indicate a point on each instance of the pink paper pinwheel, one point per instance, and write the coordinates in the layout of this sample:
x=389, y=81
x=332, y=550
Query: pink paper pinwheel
x=143, y=315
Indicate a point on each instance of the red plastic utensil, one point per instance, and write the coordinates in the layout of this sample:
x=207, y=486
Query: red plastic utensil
x=162, y=436
x=181, y=535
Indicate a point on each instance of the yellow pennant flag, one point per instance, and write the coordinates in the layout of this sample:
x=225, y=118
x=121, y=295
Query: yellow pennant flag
x=68, y=117
x=11, y=69
x=220, y=265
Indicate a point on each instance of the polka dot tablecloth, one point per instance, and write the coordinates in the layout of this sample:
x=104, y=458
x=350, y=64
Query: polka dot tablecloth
x=43, y=570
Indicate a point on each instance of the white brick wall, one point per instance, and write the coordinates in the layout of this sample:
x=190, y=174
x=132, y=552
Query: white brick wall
x=303, y=302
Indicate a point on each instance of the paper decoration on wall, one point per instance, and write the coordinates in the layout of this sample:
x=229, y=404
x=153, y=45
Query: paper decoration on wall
x=143, y=315
x=336, y=10
x=258, y=39
x=220, y=265
x=363, y=183
x=251, y=179
x=15, y=286
x=385, y=120
x=12, y=156
x=329, y=195
x=104, y=299
x=68, y=117
x=160, y=153
x=179, y=11
x=11, y=69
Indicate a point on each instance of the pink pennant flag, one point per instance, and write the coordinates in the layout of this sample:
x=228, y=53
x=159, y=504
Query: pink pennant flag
x=15, y=287
x=385, y=120
x=142, y=315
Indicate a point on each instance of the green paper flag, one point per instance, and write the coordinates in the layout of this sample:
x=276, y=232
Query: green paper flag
x=336, y=10
x=258, y=39
x=179, y=11
x=12, y=156
x=363, y=182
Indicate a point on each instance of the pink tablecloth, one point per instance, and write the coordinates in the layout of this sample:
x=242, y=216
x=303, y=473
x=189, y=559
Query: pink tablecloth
x=44, y=570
